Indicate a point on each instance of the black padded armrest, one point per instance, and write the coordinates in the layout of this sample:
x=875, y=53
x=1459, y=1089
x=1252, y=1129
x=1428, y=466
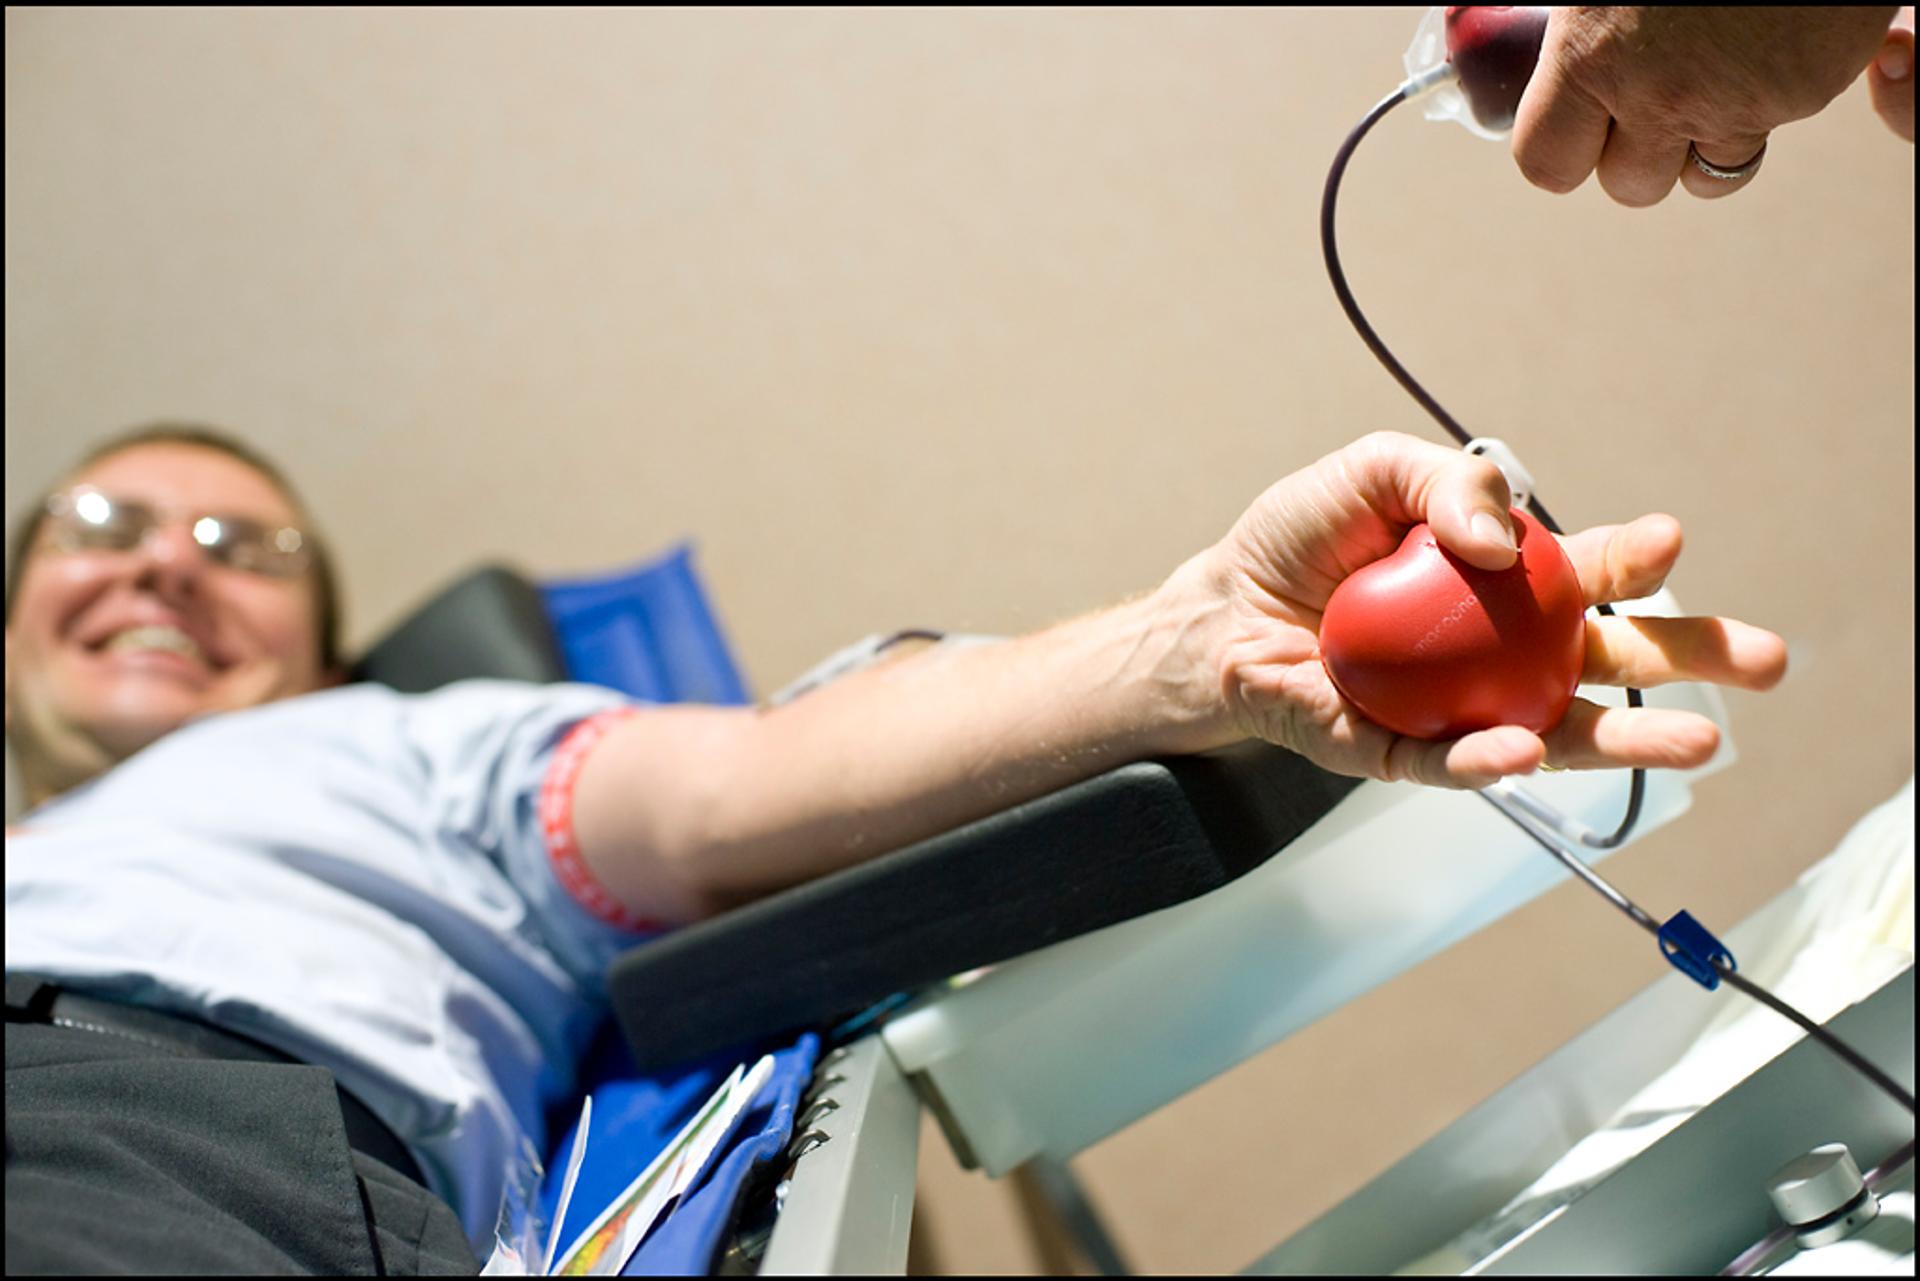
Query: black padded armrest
x=491, y=623
x=1131, y=841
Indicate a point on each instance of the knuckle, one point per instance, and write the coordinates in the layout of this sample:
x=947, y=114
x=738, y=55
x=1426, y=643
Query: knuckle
x=1590, y=36
x=1381, y=443
x=1547, y=170
x=1375, y=452
x=1632, y=193
x=1395, y=763
x=1485, y=475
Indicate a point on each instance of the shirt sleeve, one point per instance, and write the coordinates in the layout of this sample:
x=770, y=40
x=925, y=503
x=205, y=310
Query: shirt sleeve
x=490, y=752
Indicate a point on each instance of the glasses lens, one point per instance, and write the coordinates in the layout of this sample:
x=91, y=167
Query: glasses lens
x=244, y=544
x=88, y=520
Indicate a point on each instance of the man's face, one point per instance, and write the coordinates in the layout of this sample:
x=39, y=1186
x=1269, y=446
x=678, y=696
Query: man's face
x=108, y=650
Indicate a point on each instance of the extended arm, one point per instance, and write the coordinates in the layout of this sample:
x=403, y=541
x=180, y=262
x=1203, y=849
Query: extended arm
x=682, y=811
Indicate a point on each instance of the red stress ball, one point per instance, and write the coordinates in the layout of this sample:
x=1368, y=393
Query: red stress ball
x=1426, y=645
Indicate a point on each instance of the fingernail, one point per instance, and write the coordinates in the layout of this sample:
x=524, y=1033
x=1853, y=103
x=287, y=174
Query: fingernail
x=1896, y=60
x=1490, y=528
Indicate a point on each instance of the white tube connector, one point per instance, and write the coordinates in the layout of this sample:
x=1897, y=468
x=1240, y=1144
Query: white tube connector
x=1424, y=83
x=1507, y=796
x=1501, y=455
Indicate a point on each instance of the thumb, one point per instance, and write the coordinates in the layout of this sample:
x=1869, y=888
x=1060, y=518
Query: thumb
x=1890, y=78
x=1463, y=498
x=1468, y=509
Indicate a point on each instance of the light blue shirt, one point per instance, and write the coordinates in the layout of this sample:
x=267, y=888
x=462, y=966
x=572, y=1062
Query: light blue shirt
x=358, y=878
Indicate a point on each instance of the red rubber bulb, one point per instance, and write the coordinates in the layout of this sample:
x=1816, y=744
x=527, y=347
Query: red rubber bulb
x=1429, y=646
x=1495, y=49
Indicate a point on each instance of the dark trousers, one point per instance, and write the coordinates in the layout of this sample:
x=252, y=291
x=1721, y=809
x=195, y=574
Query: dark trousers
x=126, y=1155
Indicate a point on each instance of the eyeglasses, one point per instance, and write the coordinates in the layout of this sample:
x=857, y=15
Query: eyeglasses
x=85, y=520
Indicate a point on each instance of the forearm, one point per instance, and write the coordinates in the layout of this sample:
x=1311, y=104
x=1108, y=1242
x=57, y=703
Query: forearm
x=680, y=811
x=683, y=810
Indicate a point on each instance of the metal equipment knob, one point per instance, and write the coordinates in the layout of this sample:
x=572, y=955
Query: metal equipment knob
x=1822, y=1195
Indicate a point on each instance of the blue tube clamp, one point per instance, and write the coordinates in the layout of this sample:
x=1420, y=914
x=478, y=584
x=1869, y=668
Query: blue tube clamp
x=1693, y=950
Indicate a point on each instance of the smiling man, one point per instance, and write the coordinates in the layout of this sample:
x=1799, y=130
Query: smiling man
x=294, y=972
x=229, y=609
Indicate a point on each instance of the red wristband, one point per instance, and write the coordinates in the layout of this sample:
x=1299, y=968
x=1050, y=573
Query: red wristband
x=556, y=821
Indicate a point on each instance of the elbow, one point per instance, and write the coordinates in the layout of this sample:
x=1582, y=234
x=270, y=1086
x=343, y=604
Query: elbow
x=657, y=811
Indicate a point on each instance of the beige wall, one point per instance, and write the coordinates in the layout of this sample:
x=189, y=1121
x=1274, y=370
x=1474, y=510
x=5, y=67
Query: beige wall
x=977, y=320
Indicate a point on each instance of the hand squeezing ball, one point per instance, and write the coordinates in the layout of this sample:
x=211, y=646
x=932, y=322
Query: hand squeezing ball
x=1431, y=647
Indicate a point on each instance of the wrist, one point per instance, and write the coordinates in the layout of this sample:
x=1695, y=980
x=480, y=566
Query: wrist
x=1182, y=632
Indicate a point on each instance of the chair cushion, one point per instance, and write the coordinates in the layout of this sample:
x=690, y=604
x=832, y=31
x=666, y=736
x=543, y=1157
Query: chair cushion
x=491, y=623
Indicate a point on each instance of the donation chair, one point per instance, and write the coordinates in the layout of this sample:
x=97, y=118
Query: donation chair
x=1037, y=980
